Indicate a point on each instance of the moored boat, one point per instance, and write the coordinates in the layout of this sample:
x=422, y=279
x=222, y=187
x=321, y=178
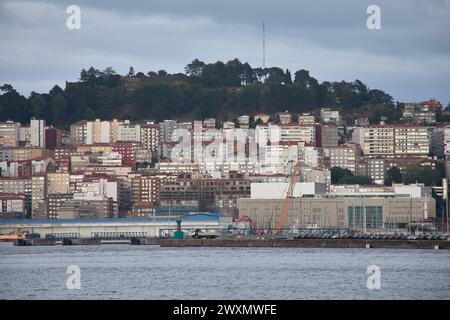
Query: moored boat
x=9, y=238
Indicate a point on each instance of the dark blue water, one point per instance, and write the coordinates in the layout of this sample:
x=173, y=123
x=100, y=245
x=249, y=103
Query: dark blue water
x=151, y=272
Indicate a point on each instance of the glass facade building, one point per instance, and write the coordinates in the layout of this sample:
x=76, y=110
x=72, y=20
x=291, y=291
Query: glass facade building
x=365, y=217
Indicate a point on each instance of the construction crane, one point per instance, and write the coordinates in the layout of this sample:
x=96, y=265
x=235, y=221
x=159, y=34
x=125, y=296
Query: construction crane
x=287, y=201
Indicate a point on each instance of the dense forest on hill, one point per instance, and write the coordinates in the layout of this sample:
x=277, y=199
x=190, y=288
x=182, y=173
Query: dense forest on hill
x=220, y=90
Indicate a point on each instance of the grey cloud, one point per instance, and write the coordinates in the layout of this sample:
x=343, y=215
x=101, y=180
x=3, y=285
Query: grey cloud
x=409, y=57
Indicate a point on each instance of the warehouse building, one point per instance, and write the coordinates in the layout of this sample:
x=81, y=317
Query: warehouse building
x=397, y=208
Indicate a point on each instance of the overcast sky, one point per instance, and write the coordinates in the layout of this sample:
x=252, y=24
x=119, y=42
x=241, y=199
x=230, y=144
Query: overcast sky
x=408, y=58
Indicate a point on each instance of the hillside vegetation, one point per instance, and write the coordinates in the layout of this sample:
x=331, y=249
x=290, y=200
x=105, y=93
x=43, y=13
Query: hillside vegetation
x=220, y=90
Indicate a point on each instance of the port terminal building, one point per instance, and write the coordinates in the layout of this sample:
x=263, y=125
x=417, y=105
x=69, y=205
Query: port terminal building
x=85, y=228
x=398, y=207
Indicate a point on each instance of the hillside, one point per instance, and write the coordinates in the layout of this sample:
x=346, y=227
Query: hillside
x=220, y=90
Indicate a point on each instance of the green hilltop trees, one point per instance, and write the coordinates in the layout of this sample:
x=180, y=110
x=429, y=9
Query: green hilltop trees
x=345, y=176
x=221, y=90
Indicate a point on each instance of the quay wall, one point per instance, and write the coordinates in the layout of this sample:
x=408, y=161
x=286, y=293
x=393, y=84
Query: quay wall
x=247, y=243
x=308, y=243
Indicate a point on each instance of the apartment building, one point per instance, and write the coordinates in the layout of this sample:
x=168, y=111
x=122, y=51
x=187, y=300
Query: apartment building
x=13, y=205
x=143, y=155
x=344, y=156
x=145, y=189
x=376, y=169
x=207, y=194
x=377, y=140
x=57, y=183
x=308, y=174
x=393, y=140
x=447, y=140
x=53, y=138
x=311, y=156
x=78, y=132
x=329, y=116
x=9, y=134
x=27, y=154
x=92, y=186
x=114, y=130
x=95, y=148
x=37, y=133
x=284, y=117
x=95, y=132
x=15, y=185
x=98, y=132
x=437, y=141
x=419, y=113
x=285, y=132
x=55, y=202
x=209, y=123
x=411, y=140
x=151, y=137
x=228, y=125
x=129, y=132
x=5, y=154
x=244, y=121
x=24, y=136
x=298, y=133
x=127, y=152
x=81, y=209
x=306, y=119
x=327, y=136
x=170, y=130
x=38, y=196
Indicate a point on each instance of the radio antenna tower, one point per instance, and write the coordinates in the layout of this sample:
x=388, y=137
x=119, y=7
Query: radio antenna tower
x=264, y=44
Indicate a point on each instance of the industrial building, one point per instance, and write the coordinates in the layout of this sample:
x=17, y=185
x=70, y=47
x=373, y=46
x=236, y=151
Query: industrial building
x=400, y=207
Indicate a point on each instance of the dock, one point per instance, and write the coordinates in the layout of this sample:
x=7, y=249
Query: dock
x=308, y=243
x=248, y=243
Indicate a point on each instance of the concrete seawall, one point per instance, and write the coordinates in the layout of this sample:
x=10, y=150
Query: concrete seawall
x=281, y=243
x=308, y=243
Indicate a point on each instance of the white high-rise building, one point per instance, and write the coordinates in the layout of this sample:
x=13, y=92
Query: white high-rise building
x=285, y=132
x=37, y=133
x=150, y=137
x=299, y=133
x=100, y=131
x=393, y=140
x=311, y=156
x=411, y=140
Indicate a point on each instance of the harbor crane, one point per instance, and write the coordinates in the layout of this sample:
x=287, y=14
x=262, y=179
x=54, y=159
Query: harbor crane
x=282, y=222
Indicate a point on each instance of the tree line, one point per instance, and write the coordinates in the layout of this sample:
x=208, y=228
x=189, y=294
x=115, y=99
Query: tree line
x=429, y=176
x=220, y=90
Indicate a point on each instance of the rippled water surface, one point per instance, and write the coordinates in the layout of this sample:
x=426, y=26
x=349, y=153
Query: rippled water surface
x=151, y=272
